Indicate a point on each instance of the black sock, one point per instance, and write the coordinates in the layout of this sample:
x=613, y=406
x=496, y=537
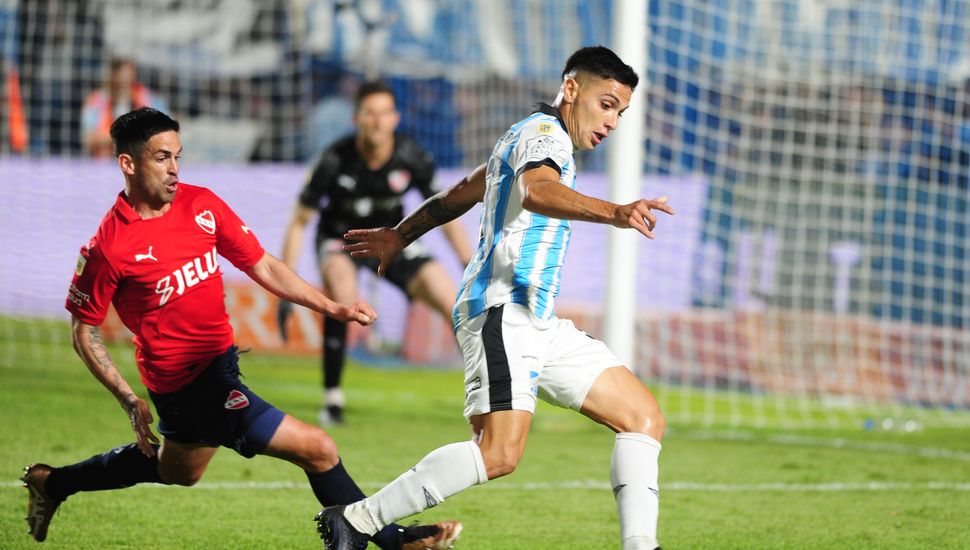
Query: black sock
x=116, y=469
x=334, y=351
x=335, y=486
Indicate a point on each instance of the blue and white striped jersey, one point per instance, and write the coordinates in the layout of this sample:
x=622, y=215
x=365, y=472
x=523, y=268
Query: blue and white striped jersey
x=520, y=253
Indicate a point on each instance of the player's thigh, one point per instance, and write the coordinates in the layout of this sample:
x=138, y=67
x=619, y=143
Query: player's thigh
x=503, y=352
x=620, y=401
x=339, y=277
x=305, y=445
x=183, y=463
x=433, y=286
x=574, y=363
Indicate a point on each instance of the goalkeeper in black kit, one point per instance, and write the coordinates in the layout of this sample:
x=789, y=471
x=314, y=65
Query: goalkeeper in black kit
x=358, y=182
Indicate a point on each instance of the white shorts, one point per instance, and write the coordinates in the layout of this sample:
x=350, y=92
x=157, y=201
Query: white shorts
x=511, y=357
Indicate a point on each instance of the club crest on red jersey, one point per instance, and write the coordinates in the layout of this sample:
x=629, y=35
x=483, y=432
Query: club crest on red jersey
x=398, y=180
x=206, y=221
x=236, y=400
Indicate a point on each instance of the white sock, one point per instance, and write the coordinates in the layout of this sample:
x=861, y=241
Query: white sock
x=633, y=474
x=444, y=472
x=334, y=396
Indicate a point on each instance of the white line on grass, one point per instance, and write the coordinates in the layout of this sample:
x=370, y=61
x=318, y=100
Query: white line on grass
x=831, y=487
x=838, y=443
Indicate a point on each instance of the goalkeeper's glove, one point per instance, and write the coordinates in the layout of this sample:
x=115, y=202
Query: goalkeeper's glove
x=283, y=312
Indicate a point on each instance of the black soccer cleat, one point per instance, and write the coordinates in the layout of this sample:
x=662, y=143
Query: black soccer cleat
x=337, y=533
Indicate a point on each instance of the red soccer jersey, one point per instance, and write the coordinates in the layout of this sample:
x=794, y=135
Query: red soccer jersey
x=163, y=277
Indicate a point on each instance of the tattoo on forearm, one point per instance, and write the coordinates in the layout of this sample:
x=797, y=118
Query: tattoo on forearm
x=431, y=214
x=101, y=358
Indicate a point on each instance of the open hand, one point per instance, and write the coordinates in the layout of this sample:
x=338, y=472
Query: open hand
x=140, y=416
x=382, y=243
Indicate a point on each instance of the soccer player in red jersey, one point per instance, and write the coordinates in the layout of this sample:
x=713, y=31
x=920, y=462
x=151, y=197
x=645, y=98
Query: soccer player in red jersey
x=155, y=257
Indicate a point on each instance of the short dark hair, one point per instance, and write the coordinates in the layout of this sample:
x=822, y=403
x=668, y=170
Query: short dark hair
x=370, y=88
x=602, y=62
x=132, y=130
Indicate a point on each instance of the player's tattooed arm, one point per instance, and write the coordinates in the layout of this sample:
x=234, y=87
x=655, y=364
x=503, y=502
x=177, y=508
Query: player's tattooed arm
x=89, y=345
x=434, y=212
x=444, y=207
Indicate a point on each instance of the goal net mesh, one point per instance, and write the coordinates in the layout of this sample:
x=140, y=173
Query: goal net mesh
x=817, y=152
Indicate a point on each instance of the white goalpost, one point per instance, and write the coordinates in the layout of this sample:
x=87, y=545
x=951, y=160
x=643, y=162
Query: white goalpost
x=625, y=166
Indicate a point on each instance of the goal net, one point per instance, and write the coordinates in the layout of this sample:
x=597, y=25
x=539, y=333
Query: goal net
x=817, y=153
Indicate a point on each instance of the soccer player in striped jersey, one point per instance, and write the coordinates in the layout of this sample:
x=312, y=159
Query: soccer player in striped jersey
x=515, y=349
x=155, y=258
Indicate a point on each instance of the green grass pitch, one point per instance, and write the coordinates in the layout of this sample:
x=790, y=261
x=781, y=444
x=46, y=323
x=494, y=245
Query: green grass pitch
x=742, y=488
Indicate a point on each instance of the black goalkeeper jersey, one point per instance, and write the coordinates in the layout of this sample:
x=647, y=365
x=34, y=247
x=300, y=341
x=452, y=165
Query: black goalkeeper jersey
x=349, y=195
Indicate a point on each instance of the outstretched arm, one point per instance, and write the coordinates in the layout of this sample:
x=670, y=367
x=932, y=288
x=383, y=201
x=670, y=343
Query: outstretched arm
x=543, y=194
x=293, y=237
x=275, y=276
x=444, y=207
x=292, y=244
x=90, y=347
x=385, y=243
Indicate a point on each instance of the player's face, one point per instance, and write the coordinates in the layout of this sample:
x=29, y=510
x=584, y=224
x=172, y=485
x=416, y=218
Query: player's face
x=596, y=106
x=154, y=173
x=376, y=119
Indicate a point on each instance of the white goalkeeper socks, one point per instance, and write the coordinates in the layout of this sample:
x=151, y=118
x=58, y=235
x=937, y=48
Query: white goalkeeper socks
x=444, y=472
x=335, y=397
x=633, y=475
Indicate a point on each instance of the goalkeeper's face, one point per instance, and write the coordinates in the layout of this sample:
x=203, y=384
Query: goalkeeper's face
x=592, y=108
x=376, y=119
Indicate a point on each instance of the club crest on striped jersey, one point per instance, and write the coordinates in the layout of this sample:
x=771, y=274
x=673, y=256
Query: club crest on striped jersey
x=206, y=221
x=543, y=147
x=236, y=400
x=398, y=180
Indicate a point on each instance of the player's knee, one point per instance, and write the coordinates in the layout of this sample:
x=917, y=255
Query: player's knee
x=183, y=478
x=648, y=421
x=322, y=452
x=500, y=462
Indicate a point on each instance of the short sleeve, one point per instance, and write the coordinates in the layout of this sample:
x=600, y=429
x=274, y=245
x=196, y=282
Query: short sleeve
x=542, y=142
x=93, y=286
x=321, y=179
x=235, y=241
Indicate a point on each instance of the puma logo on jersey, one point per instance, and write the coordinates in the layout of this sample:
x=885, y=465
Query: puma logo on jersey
x=148, y=256
x=206, y=221
x=190, y=274
x=245, y=229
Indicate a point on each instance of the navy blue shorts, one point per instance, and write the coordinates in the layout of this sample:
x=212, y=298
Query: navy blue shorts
x=217, y=409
